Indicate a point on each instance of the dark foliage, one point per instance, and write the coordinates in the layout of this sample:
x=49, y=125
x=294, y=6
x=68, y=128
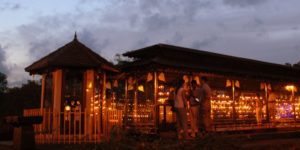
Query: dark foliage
x=3, y=83
x=14, y=100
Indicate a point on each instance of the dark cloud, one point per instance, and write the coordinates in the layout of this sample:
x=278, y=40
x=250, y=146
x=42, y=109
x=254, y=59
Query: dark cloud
x=158, y=21
x=295, y=28
x=177, y=38
x=204, y=43
x=243, y=3
x=261, y=33
x=9, y=6
x=142, y=42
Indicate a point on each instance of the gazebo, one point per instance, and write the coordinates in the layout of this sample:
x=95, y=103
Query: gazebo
x=73, y=96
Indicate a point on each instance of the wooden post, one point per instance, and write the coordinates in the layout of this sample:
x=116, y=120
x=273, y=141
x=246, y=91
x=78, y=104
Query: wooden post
x=294, y=102
x=156, y=109
x=57, y=77
x=43, y=92
x=89, y=100
x=126, y=104
x=233, y=102
x=103, y=98
x=267, y=103
x=135, y=107
x=42, y=98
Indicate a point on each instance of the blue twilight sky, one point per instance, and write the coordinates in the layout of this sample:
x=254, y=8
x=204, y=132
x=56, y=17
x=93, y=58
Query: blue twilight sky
x=267, y=30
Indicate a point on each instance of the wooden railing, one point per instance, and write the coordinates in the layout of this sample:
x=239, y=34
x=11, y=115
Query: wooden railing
x=76, y=126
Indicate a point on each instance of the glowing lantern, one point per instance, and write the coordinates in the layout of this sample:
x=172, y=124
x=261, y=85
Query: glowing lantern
x=228, y=83
x=161, y=77
x=67, y=108
x=149, y=77
x=291, y=88
x=115, y=83
x=141, y=88
x=108, y=85
x=130, y=87
x=237, y=83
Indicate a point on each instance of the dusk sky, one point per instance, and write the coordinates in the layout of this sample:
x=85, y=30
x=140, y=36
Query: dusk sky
x=267, y=30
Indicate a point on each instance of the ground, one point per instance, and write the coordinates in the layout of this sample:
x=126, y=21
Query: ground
x=271, y=140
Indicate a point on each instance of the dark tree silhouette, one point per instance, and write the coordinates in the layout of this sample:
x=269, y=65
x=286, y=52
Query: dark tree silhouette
x=3, y=83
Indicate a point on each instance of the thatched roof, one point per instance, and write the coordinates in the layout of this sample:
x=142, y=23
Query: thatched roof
x=169, y=56
x=72, y=55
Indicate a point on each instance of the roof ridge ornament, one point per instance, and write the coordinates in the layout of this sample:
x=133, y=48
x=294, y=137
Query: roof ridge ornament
x=75, y=36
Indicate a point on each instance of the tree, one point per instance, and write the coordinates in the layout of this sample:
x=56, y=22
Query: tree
x=3, y=83
x=3, y=88
x=17, y=98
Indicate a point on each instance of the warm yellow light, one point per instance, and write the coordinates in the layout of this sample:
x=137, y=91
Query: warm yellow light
x=228, y=83
x=67, y=108
x=149, y=77
x=90, y=85
x=290, y=88
x=141, y=88
x=161, y=77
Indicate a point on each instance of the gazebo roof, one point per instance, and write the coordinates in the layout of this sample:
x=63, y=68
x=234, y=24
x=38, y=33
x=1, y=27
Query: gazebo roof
x=72, y=55
x=169, y=56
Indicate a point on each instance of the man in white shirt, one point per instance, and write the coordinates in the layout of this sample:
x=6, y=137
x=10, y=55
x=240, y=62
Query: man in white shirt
x=195, y=96
x=180, y=105
x=205, y=108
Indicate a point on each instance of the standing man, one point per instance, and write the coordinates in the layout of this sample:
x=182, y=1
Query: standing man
x=195, y=97
x=205, y=118
x=180, y=106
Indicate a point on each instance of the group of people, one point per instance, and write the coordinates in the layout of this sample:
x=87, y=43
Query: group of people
x=193, y=99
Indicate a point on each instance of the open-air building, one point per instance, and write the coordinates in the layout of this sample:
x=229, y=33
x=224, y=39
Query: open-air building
x=247, y=93
x=83, y=95
x=72, y=95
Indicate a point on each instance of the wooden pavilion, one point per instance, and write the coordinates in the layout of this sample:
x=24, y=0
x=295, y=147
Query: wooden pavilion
x=73, y=94
x=246, y=93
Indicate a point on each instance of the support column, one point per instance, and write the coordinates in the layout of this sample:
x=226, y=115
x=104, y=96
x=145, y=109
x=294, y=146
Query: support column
x=135, y=107
x=57, y=87
x=267, y=102
x=104, y=87
x=294, y=102
x=104, y=119
x=89, y=99
x=43, y=93
x=156, y=108
x=233, y=102
x=126, y=103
